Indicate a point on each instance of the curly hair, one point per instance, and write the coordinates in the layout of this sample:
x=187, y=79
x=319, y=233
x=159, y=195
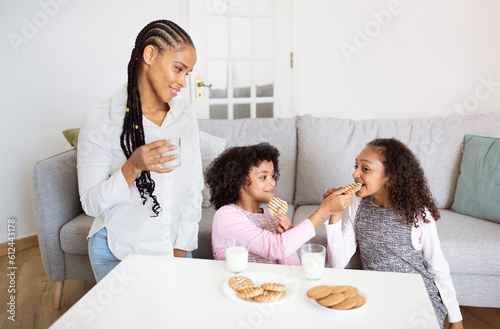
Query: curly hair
x=229, y=172
x=408, y=188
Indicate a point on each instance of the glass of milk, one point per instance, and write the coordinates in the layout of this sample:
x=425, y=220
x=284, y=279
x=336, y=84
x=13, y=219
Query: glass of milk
x=175, y=162
x=236, y=255
x=312, y=257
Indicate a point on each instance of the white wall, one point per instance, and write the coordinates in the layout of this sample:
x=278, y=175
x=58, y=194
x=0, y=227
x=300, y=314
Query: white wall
x=74, y=58
x=424, y=59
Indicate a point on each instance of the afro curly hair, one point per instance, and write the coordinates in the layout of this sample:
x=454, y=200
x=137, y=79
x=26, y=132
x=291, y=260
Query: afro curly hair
x=229, y=172
x=408, y=188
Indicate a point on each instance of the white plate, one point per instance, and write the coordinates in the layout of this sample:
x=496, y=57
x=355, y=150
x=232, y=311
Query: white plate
x=315, y=302
x=258, y=278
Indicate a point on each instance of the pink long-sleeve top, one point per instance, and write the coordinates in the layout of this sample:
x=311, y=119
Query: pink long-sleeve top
x=265, y=245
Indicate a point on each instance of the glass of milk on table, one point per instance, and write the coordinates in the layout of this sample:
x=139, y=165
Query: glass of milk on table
x=175, y=162
x=312, y=257
x=236, y=255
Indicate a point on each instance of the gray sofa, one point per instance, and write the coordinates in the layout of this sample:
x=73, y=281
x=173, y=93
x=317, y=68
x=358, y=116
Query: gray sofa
x=316, y=154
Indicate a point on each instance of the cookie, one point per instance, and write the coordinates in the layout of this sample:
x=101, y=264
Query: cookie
x=276, y=204
x=332, y=299
x=337, y=297
x=268, y=297
x=319, y=292
x=338, y=289
x=347, y=304
x=250, y=292
x=350, y=291
x=353, y=188
x=273, y=287
x=239, y=283
x=359, y=301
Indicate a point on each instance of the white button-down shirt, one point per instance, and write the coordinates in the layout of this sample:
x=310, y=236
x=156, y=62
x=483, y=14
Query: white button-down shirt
x=105, y=194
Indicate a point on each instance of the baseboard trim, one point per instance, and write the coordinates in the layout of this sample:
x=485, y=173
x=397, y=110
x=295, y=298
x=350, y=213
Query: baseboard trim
x=21, y=244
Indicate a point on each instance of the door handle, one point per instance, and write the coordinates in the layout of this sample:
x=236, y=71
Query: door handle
x=201, y=84
x=200, y=91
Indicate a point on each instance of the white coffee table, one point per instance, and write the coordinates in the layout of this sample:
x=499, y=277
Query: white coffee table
x=164, y=292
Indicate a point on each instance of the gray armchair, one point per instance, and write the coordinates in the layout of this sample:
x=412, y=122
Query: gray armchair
x=61, y=223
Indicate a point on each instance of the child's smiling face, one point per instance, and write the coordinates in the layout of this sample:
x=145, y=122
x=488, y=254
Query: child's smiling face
x=370, y=172
x=261, y=188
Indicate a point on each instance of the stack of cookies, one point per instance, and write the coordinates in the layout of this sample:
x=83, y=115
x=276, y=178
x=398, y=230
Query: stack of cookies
x=266, y=293
x=337, y=297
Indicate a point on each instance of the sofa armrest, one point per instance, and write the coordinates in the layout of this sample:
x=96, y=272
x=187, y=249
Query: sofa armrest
x=55, y=202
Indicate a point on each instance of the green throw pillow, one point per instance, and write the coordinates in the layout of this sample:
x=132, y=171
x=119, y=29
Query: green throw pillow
x=72, y=136
x=478, y=186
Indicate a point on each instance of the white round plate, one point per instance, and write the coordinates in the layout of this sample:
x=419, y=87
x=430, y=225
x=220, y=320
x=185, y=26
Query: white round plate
x=258, y=278
x=315, y=302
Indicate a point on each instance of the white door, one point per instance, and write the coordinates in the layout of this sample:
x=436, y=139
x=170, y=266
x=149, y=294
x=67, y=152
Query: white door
x=244, y=58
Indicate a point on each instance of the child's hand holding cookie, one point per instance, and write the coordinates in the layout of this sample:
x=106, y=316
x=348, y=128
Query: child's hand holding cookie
x=284, y=223
x=335, y=201
x=328, y=193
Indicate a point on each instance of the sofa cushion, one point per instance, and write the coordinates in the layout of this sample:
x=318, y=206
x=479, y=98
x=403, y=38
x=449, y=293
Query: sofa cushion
x=477, y=290
x=204, y=250
x=327, y=148
x=478, y=185
x=74, y=234
x=210, y=146
x=280, y=133
x=471, y=241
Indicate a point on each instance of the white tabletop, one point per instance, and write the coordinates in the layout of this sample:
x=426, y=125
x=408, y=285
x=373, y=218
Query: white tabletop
x=167, y=292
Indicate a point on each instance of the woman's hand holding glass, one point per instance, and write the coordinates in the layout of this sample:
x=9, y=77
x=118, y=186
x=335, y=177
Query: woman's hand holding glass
x=145, y=158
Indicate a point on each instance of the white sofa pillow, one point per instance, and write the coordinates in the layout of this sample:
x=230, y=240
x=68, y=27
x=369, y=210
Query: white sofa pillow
x=210, y=146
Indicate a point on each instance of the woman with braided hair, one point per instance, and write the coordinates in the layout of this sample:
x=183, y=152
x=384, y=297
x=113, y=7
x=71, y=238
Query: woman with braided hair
x=140, y=207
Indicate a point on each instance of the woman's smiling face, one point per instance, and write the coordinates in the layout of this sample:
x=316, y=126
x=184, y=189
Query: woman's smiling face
x=167, y=71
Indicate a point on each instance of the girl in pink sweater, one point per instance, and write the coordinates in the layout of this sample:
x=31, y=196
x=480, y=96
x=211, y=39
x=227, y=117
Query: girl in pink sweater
x=242, y=178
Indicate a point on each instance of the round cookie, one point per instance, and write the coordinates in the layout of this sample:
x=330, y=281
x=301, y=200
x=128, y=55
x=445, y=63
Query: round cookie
x=350, y=291
x=332, y=299
x=338, y=289
x=268, y=297
x=353, y=188
x=276, y=204
x=239, y=283
x=273, y=287
x=250, y=292
x=359, y=301
x=319, y=292
x=347, y=304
